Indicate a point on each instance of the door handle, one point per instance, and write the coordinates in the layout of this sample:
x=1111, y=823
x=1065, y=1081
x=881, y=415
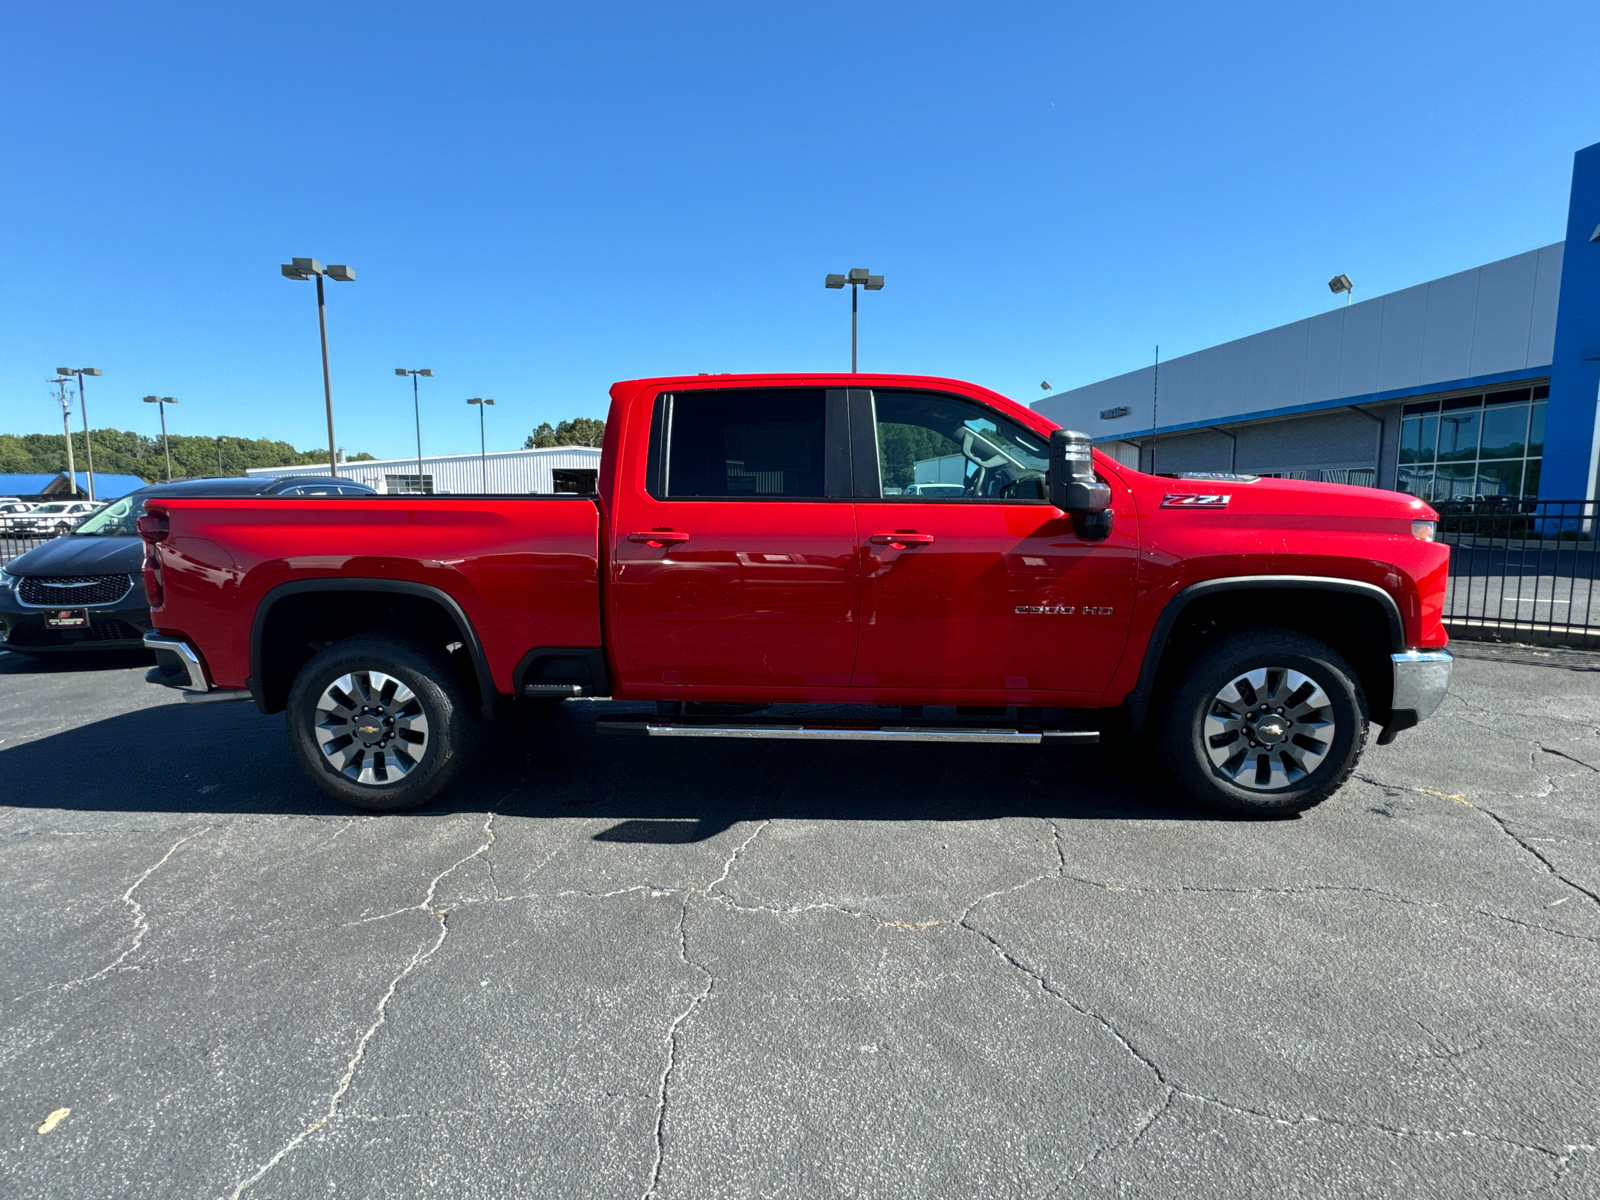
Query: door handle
x=903, y=539
x=659, y=537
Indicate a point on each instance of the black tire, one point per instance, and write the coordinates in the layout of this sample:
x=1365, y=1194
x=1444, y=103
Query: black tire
x=1197, y=725
x=389, y=774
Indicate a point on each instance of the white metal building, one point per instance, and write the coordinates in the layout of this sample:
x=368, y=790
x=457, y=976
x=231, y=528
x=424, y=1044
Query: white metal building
x=506, y=472
x=1484, y=383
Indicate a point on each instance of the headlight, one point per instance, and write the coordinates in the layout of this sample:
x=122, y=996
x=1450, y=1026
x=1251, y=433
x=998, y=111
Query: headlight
x=1423, y=529
x=7, y=580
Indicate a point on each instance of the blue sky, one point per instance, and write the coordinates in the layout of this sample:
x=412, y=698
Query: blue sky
x=540, y=199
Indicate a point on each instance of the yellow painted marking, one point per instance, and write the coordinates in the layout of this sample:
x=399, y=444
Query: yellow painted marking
x=54, y=1119
x=1458, y=797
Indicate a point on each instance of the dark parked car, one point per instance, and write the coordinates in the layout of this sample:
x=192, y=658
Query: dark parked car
x=82, y=591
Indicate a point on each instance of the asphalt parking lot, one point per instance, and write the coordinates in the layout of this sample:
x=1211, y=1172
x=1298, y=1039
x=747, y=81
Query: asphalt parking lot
x=609, y=968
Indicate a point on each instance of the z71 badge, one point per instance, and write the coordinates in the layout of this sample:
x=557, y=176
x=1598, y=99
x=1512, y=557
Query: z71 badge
x=1196, y=500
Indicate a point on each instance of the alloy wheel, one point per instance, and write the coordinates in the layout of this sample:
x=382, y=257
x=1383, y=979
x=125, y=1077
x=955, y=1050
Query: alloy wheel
x=1268, y=728
x=371, y=727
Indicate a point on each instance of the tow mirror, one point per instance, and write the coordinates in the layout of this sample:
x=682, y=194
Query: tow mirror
x=1073, y=486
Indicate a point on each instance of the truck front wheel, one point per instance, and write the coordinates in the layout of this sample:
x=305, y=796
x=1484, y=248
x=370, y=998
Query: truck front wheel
x=379, y=722
x=1266, y=722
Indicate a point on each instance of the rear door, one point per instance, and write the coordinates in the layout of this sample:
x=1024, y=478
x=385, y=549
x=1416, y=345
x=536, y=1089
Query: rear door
x=972, y=582
x=734, y=567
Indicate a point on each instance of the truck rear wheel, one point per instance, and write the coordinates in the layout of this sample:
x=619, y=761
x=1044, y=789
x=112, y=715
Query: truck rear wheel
x=1266, y=722
x=379, y=722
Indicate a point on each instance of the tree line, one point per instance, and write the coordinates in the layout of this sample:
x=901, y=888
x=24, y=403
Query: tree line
x=122, y=452
x=580, y=431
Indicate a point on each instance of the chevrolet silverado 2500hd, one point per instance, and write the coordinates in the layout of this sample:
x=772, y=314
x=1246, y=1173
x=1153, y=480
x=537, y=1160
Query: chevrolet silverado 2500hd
x=918, y=544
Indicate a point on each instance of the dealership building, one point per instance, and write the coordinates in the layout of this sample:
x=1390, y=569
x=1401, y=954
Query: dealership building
x=1484, y=383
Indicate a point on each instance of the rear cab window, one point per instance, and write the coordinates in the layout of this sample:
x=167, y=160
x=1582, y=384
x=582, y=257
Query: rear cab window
x=747, y=444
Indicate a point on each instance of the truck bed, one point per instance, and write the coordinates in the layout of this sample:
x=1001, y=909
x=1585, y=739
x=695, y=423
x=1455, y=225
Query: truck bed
x=523, y=570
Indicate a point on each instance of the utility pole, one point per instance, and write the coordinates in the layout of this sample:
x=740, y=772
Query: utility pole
x=61, y=380
x=1155, y=397
x=83, y=403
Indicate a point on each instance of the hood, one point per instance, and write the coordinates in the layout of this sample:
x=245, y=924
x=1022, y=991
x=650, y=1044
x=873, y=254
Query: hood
x=1291, y=497
x=88, y=555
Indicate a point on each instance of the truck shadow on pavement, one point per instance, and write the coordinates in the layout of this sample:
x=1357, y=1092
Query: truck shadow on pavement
x=228, y=758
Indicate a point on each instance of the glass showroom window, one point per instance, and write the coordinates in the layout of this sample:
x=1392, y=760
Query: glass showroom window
x=1479, y=447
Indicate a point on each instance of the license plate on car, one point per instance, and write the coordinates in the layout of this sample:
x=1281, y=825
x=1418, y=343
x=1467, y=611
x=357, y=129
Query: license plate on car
x=67, y=618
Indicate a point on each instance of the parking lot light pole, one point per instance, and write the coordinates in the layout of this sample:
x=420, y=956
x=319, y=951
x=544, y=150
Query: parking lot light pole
x=483, y=453
x=61, y=380
x=83, y=403
x=301, y=269
x=416, y=407
x=858, y=278
x=161, y=403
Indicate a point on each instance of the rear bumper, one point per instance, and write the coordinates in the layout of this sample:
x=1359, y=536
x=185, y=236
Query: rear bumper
x=177, y=665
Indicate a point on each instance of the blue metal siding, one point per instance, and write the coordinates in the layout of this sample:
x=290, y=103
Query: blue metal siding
x=1569, y=454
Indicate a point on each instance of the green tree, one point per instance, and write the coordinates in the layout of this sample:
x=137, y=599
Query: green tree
x=122, y=452
x=580, y=431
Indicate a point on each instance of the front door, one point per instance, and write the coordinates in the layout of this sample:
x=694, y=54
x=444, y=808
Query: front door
x=972, y=582
x=735, y=569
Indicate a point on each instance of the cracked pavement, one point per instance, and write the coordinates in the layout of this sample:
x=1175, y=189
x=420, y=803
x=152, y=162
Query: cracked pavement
x=609, y=968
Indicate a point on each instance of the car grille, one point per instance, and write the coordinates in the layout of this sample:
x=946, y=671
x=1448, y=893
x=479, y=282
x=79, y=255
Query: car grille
x=66, y=590
x=37, y=633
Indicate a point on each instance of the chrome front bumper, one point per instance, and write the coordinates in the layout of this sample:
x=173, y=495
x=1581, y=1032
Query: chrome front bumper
x=1421, y=678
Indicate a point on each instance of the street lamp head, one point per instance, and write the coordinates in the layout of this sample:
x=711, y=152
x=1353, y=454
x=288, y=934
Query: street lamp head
x=309, y=265
x=1340, y=283
x=874, y=283
x=295, y=273
x=401, y=371
x=169, y=399
x=475, y=400
x=152, y=399
x=1044, y=385
x=858, y=275
x=63, y=370
x=342, y=274
x=91, y=371
x=428, y=371
x=834, y=281
x=490, y=403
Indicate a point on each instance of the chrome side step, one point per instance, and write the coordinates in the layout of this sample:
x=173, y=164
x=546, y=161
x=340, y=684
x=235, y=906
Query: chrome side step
x=642, y=726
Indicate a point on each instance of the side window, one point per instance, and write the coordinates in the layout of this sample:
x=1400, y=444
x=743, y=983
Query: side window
x=741, y=444
x=936, y=447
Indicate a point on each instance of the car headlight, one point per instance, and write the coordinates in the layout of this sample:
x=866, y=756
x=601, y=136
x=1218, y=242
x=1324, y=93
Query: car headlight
x=1424, y=530
x=7, y=580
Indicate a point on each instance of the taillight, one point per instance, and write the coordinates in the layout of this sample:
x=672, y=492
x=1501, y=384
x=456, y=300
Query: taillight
x=153, y=528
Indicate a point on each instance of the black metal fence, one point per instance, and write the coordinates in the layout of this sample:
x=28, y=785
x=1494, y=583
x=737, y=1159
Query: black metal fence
x=1522, y=566
x=13, y=544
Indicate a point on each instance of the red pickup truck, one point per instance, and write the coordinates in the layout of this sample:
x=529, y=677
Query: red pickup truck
x=764, y=543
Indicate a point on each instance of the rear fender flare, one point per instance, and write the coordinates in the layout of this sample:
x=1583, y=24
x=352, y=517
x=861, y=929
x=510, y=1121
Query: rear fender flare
x=469, y=635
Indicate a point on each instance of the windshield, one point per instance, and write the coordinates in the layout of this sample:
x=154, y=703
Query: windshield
x=51, y=508
x=116, y=520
